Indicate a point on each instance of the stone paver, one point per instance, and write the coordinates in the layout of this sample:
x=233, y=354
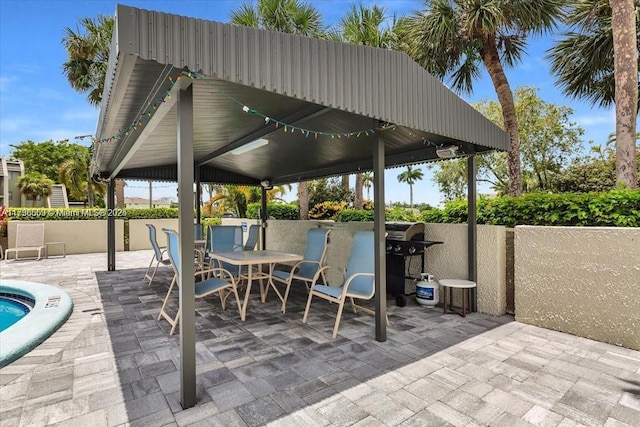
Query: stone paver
x=114, y=363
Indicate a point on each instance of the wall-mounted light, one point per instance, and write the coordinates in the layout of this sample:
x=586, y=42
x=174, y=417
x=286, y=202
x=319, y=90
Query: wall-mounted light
x=250, y=146
x=447, y=152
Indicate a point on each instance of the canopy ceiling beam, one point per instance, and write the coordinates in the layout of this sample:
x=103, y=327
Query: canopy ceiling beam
x=309, y=112
x=136, y=138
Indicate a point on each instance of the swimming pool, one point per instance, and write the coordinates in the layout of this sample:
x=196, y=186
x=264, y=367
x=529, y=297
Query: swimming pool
x=51, y=307
x=11, y=310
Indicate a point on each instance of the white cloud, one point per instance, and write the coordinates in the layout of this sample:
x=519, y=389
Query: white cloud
x=599, y=118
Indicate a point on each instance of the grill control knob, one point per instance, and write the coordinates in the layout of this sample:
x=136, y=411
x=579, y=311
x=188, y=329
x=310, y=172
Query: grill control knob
x=398, y=248
x=412, y=250
x=389, y=248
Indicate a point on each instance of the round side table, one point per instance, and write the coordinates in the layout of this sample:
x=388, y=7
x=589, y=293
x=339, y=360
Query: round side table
x=465, y=285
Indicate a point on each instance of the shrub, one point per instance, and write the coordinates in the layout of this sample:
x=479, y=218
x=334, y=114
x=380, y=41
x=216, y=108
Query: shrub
x=354, y=215
x=327, y=210
x=275, y=210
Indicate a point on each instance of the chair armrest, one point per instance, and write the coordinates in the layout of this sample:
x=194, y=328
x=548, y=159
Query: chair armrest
x=319, y=272
x=345, y=287
x=299, y=263
x=216, y=272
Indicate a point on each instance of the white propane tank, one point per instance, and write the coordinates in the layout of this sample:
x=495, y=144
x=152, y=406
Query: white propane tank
x=427, y=290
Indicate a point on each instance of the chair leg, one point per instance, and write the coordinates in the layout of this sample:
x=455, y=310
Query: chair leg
x=164, y=304
x=286, y=296
x=223, y=298
x=146, y=274
x=338, y=316
x=235, y=293
x=153, y=276
x=175, y=323
x=306, y=310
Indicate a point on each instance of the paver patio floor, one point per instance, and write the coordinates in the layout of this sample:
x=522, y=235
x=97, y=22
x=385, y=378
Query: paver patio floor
x=113, y=363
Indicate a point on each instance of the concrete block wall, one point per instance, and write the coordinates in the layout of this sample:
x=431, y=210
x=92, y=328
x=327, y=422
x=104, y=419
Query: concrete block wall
x=580, y=280
x=80, y=236
x=139, y=232
x=448, y=260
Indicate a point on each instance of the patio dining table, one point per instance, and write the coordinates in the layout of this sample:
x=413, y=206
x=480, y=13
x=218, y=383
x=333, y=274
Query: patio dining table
x=251, y=259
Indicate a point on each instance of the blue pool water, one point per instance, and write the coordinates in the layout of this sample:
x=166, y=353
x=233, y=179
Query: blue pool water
x=10, y=312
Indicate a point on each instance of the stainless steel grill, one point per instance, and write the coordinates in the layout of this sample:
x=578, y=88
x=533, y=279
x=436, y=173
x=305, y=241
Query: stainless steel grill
x=404, y=239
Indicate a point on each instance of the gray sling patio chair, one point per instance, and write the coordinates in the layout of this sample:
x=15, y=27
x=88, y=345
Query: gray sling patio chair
x=358, y=280
x=158, y=255
x=305, y=271
x=211, y=281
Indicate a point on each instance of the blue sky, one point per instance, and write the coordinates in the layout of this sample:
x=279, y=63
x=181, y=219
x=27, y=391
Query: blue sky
x=37, y=103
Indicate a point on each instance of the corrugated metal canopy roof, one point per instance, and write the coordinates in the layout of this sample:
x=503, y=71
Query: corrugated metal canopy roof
x=310, y=84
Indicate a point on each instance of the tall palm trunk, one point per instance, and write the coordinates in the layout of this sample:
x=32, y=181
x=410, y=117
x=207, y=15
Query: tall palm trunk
x=411, y=196
x=491, y=60
x=303, y=198
x=345, y=184
x=120, y=193
x=358, y=197
x=625, y=52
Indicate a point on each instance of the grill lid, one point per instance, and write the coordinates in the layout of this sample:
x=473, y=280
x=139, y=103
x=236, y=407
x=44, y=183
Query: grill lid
x=405, y=230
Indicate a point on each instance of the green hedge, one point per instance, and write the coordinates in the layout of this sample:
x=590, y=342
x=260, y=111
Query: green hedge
x=394, y=214
x=354, y=215
x=275, y=210
x=617, y=208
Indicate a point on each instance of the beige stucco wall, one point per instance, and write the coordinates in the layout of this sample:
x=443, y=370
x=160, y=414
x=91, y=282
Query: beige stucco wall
x=139, y=233
x=80, y=236
x=449, y=261
x=584, y=281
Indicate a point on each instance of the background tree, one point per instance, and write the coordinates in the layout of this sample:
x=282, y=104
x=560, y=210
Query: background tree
x=410, y=176
x=451, y=38
x=328, y=190
x=287, y=16
x=88, y=56
x=549, y=141
x=583, y=62
x=593, y=173
x=364, y=26
x=367, y=182
x=43, y=157
x=34, y=185
x=75, y=174
x=86, y=66
x=625, y=53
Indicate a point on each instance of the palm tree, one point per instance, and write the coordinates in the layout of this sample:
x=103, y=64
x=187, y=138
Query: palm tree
x=75, y=174
x=367, y=182
x=597, y=59
x=451, y=38
x=88, y=56
x=34, y=185
x=363, y=25
x=287, y=16
x=410, y=176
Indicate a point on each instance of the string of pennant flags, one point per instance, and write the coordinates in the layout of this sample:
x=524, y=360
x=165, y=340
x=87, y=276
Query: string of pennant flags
x=147, y=113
